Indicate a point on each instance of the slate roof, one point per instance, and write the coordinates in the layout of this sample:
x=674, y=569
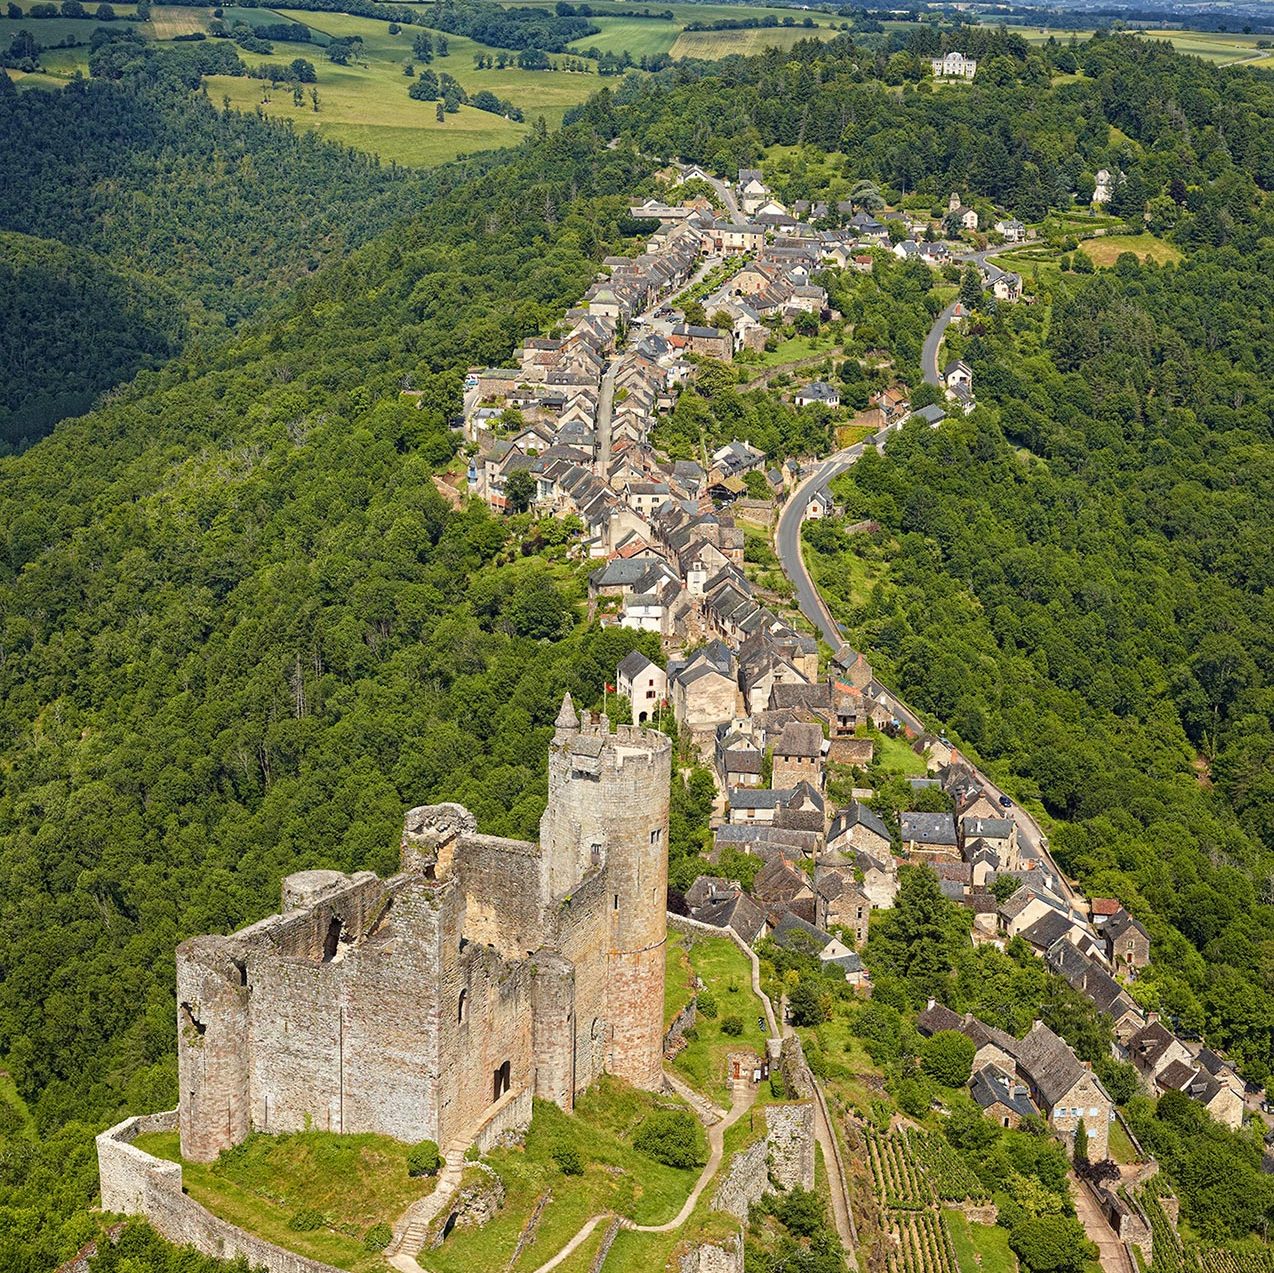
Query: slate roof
x=1150, y=1043
x=1119, y=923
x=757, y=798
x=819, y=391
x=932, y=414
x=937, y=1016
x=789, y=925
x=633, y=664
x=991, y=1086
x=799, y=739
x=738, y=912
x=1051, y=1066
x=988, y=828
x=929, y=828
x=857, y=815
x=1046, y=930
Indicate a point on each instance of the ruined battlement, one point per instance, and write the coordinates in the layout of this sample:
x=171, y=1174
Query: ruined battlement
x=488, y=966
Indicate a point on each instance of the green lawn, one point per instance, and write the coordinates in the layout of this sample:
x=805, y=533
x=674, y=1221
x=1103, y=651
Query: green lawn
x=638, y=36
x=616, y=1178
x=726, y=972
x=1121, y=1149
x=710, y=45
x=895, y=756
x=677, y=972
x=980, y=1248
x=354, y=1181
x=794, y=350
x=1107, y=250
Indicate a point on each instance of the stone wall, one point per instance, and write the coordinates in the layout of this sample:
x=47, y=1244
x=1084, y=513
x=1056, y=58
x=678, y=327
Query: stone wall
x=683, y=1021
x=136, y=1183
x=784, y=1159
x=746, y=1181
x=789, y=1136
x=713, y=1257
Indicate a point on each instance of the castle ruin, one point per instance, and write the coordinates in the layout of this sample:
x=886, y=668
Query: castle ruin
x=486, y=972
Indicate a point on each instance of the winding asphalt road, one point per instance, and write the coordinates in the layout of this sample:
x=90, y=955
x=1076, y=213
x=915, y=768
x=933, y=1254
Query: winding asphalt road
x=787, y=542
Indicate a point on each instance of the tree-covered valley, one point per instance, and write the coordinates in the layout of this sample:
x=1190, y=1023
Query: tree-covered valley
x=241, y=628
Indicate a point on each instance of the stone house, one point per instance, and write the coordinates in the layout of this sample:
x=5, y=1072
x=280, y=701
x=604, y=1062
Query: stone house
x=936, y=750
x=1066, y=1090
x=1001, y=1097
x=1012, y=230
x=705, y=690
x=798, y=756
x=643, y=683
x=857, y=827
x=841, y=901
x=723, y=904
x=793, y=933
x=1127, y=942
x=953, y=65
x=998, y=834
x=879, y=877
x=780, y=886
x=929, y=835
x=818, y=393
x=1153, y=1049
x=738, y=757
x=754, y=804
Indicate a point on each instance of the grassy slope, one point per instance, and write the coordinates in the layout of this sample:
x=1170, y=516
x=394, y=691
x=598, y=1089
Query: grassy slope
x=980, y=1248
x=355, y=1181
x=725, y=970
x=715, y=44
x=638, y=36
x=1108, y=249
x=616, y=1178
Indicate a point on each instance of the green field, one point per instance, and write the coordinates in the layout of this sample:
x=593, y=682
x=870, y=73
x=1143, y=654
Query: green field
x=714, y=44
x=1212, y=46
x=1107, y=249
x=641, y=37
x=353, y=1181
x=980, y=1248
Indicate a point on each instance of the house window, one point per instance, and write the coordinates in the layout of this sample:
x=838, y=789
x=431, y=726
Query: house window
x=656, y=837
x=462, y=1007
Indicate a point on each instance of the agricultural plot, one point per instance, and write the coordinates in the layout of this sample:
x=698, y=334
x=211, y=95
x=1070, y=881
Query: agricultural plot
x=901, y=1182
x=710, y=45
x=641, y=37
x=924, y=1245
x=952, y=1179
x=1212, y=46
x=169, y=21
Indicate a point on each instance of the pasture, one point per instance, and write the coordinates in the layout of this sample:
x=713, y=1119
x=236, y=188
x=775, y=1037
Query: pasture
x=1107, y=249
x=641, y=37
x=1224, y=47
x=716, y=44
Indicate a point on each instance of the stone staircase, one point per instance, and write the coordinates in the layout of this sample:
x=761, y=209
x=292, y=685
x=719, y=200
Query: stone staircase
x=412, y=1227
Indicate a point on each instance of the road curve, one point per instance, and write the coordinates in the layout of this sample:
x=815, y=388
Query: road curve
x=787, y=543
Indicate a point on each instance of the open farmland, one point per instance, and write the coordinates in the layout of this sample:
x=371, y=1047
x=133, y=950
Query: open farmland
x=642, y=37
x=1212, y=46
x=717, y=44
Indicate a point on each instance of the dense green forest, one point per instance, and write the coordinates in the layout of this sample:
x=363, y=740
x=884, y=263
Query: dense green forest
x=71, y=326
x=1076, y=580
x=221, y=209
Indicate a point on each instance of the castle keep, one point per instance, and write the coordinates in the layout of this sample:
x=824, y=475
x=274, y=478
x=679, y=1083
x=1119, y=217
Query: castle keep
x=441, y=1000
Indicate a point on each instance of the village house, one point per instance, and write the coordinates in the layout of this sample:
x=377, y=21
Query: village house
x=997, y=834
x=798, y=756
x=723, y=904
x=753, y=192
x=1127, y=942
x=705, y=690
x=755, y=804
x=1103, y=185
x=1012, y=230
x=1001, y=1097
x=780, y=886
x=957, y=375
x=793, y=933
x=841, y=902
x=643, y=683
x=739, y=758
x=929, y=835
x=857, y=827
x=1066, y=1090
x=818, y=393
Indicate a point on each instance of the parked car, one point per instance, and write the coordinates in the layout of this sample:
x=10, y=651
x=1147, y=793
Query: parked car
x=1006, y=802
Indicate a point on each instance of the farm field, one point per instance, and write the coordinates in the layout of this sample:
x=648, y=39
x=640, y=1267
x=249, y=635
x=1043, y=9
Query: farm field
x=642, y=37
x=1107, y=249
x=1212, y=46
x=547, y=93
x=165, y=22
x=715, y=44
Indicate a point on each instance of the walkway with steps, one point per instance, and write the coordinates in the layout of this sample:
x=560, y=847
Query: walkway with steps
x=412, y=1227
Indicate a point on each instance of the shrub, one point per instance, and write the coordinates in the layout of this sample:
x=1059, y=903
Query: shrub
x=706, y=1005
x=568, y=1160
x=306, y=1220
x=424, y=1159
x=378, y=1237
x=732, y=1025
x=670, y=1136
x=948, y=1057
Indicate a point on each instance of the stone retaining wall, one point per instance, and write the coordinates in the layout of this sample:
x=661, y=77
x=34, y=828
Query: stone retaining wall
x=714, y=1257
x=682, y=1022
x=784, y=1159
x=137, y=1183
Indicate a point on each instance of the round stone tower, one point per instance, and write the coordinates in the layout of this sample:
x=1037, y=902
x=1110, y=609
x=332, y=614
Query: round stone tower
x=608, y=812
